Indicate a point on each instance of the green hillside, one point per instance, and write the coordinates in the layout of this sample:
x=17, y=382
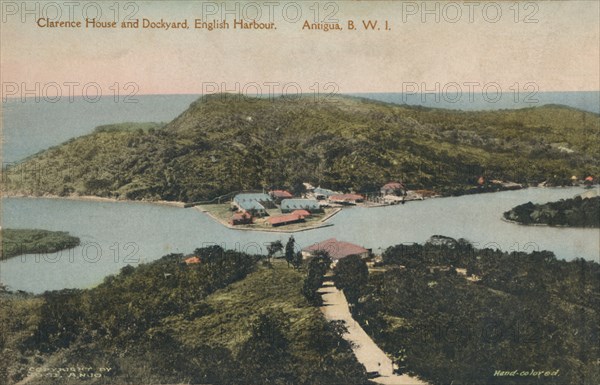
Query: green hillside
x=226, y=320
x=226, y=143
x=456, y=314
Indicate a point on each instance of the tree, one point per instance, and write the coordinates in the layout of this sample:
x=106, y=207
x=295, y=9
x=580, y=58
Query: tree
x=289, y=251
x=265, y=356
x=297, y=261
x=269, y=328
x=298, y=187
x=317, y=267
x=273, y=248
x=351, y=275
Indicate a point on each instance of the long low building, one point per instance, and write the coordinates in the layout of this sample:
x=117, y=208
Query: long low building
x=286, y=219
x=323, y=193
x=301, y=213
x=310, y=205
x=336, y=249
x=346, y=199
x=393, y=188
x=254, y=203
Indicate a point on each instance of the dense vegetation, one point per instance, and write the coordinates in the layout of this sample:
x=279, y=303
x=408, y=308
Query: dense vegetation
x=575, y=212
x=315, y=276
x=226, y=143
x=32, y=241
x=351, y=275
x=222, y=321
x=510, y=311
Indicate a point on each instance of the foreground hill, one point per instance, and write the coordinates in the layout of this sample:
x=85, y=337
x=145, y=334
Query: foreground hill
x=456, y=314
x=226, y=320
x=226, y=143
x=443, y=310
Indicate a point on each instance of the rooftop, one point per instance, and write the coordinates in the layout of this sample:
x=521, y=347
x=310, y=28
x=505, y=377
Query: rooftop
x=282, y=219
x=302, y=213
x=336, y=249
x=281, y=194
x=346, y=197
x=299, y=203
x=193, y=260
x=393, y=186
x=248, y=205
x=324, y=191
x=260, y=197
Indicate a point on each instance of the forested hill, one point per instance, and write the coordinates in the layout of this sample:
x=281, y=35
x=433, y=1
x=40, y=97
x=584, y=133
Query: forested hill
x=226, y=143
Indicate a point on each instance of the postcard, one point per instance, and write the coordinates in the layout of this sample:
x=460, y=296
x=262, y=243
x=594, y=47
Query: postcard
x=300, y=192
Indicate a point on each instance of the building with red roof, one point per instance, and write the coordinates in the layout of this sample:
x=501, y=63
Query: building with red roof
x=241, y=219
x=346, y=199
x=336, y=249
x=393, y=188
x=286, y=219
x=279, y=195
x=193, y=260
x=301, y=213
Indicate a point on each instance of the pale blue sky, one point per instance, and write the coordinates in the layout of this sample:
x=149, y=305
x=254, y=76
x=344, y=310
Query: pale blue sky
x=558, y=51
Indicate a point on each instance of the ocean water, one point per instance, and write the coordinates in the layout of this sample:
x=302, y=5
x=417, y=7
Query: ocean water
x=476, y=100
x=30, y=126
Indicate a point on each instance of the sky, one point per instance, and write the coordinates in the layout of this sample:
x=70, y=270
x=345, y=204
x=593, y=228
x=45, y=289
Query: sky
x=549, y=46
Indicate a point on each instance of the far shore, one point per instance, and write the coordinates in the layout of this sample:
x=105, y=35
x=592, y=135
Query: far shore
x=545, y=225
x=93, y=198
x=532, y=224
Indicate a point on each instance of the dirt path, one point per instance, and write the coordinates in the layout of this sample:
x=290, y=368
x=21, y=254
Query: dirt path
x=366, y=351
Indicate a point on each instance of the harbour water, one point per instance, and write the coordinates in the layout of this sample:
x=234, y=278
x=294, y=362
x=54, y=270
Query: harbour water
x=115, y=234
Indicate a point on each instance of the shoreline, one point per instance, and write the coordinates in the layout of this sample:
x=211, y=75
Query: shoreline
x=3, y=194
x=93, y=198
x=199, y=208
x=27, y=246
x=547, y=225
x=319, y=225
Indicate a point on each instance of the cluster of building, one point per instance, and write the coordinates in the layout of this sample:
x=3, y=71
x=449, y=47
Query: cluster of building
x=588, y=181
x=499, y=183
x=248, y=206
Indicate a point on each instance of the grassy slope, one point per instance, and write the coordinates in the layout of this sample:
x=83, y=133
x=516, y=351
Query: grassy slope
x=28, y=241
x=19, y=318
x=237, y=306
x=214, y=339
x=223, y=144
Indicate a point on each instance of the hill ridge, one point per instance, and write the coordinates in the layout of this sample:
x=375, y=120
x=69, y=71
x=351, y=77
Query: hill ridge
x=222, y=143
